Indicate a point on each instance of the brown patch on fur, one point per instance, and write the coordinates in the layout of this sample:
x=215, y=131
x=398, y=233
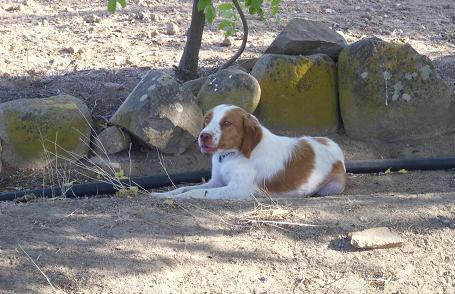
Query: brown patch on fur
x=337, y=174
x=322, y=140
x=252, y=135
x=296, y=172
x=243, y=133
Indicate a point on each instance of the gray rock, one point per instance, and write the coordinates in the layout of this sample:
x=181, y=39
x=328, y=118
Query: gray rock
x=389, y=92
x=28, y=127
x=160, y=113
x=246, y=64
x=111, y=140
x=195, y=85
x=307, y=37
x=230, y=86
x=375, y=238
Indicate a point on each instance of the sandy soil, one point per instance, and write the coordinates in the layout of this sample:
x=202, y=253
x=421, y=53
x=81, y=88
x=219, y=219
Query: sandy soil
x=141, y=245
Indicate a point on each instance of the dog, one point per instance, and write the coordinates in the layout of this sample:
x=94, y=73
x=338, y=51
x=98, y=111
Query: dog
x=248, y=159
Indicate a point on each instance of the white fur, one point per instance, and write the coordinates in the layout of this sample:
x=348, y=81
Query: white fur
x=238, y=177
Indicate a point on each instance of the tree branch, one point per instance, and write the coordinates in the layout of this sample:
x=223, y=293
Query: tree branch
x=244, y=40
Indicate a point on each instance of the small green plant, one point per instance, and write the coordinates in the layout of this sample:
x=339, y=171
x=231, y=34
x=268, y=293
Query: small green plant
x=120, y=175
x=131, y=191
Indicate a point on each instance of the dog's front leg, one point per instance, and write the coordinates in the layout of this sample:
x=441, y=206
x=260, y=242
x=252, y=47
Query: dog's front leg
x=213, y=183
x=226, y=192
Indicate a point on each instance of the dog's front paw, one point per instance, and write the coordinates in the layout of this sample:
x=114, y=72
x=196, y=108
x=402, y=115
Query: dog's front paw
x=161, y=194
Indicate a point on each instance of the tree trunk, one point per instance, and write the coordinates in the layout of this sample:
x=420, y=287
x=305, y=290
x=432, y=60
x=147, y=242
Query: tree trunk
x=188, y=65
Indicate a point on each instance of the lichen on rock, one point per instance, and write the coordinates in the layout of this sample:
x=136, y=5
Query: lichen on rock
x=28, y=127
x=299, y=93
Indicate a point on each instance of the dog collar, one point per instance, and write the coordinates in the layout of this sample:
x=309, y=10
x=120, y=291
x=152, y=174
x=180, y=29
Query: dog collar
x=222, y=156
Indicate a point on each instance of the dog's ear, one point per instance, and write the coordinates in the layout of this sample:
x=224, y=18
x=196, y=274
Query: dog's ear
x=252, y=134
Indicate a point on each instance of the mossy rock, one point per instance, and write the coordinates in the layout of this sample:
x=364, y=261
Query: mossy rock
x=299, y=93
x=28, y=127
x=230, y=86
x=389, y=92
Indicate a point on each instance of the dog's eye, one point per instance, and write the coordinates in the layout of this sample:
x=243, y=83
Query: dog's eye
x=226, y=123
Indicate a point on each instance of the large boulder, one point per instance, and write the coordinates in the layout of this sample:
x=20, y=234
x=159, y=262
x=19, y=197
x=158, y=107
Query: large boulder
x=299, y=93
x=390, y=92
x=307, y=37
x=160, y=113
x=28, y=127
x=230, y=86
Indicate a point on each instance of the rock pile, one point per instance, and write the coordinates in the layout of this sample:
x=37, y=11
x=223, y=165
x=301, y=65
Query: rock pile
x=308, y=81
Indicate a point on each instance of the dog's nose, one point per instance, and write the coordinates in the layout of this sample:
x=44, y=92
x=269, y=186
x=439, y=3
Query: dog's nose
x=206, y=138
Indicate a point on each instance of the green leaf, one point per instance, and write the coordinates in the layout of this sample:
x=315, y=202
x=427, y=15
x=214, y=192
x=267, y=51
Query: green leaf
x=403, y=171
x=210, y=13
x=122, y=3
x=226, y=14
x=202, y=4
x=388, y=171
x=275, y=6
x=111, y=5
x=225, y=24
x=225, y=6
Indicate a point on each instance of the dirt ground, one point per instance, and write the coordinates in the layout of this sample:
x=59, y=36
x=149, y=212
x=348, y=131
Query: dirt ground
x=143, y=245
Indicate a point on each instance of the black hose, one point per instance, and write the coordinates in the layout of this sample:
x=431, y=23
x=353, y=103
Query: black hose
x=153, y=182
x=375, y=166
x=102, y=188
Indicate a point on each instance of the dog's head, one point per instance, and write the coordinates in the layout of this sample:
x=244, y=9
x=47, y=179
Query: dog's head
x=228, y=127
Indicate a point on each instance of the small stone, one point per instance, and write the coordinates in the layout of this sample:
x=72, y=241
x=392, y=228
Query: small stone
x=120, y=60
x=154, y=33
x=12, y=8
x=92, y=19
x=111, y=140
x=375, y=238
x=68, y=50
x=172, y=29
x=228, y=41
x=143, y=15
x=114, y=86
x=155, y=17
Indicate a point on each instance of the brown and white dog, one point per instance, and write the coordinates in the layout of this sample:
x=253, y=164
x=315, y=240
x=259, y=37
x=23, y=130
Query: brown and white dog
x=247, y=158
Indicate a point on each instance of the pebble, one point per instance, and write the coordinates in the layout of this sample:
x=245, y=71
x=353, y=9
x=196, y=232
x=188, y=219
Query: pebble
x=172, y=29
x=375, y=238
x=11, y=8
x=92, y=19
x=154, y=33
x=155, y=17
